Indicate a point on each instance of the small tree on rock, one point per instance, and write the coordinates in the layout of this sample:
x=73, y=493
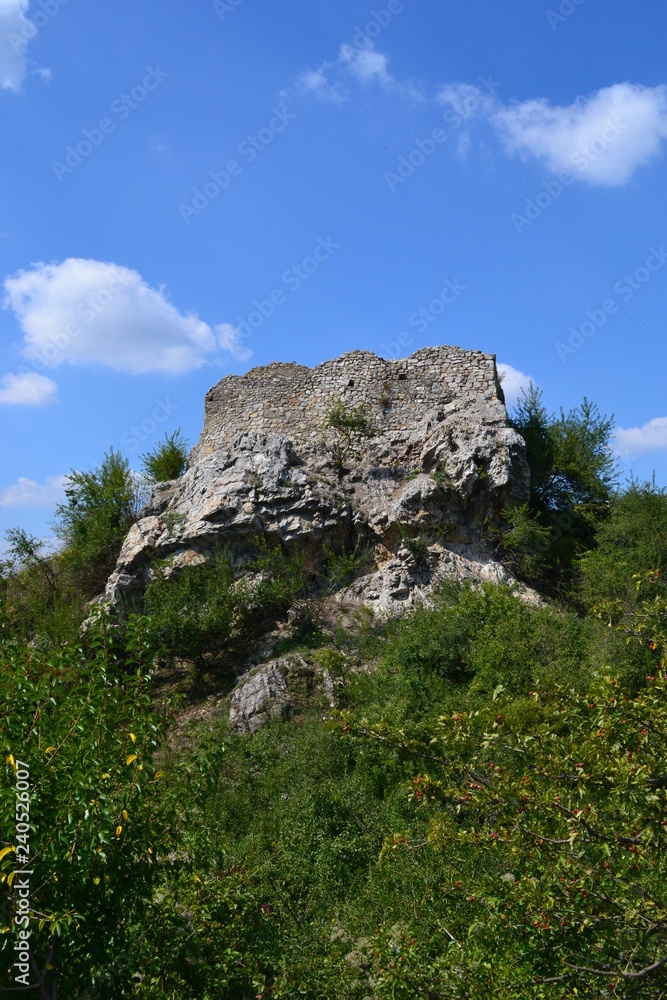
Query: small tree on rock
x=344, y=428
x=100, y=508
x=167, y=460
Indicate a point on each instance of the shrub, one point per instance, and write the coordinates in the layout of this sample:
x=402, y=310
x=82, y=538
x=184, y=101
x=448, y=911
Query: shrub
x=633, y=539
x=167, y=460
x=524, y=541
x=488, y=634
x=342, y=567
x=344, y=428
x=432, y=638
x=81, y=730
x=417, y=545
x=216, y=610
x=101, y=507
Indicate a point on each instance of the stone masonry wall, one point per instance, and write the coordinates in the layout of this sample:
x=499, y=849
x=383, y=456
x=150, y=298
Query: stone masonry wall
x=292, y=400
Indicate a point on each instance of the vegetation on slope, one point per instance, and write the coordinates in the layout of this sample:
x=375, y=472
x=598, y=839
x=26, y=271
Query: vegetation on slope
x=482, y=813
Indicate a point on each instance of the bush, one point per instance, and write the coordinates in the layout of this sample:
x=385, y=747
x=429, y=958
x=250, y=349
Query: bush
x=167, y=460
x=217, y=610
x=524, y=541
x=432, y=639
x=633, y=540
x=101, y=507
x=344, y=428
x=488, y=634
x=81, y=730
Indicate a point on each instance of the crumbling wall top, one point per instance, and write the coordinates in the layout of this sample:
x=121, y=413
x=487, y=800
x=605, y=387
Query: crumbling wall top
x=292, y=399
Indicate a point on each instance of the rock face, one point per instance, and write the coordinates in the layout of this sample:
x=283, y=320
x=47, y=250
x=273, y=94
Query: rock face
x=262, y=697
x=438, y=459
x=276, y=690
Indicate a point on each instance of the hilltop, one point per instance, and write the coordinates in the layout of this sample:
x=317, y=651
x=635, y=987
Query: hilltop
x=407, y=458
x=310, y=743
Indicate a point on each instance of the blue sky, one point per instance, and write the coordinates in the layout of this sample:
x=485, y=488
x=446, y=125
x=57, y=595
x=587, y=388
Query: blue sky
x=189, y=190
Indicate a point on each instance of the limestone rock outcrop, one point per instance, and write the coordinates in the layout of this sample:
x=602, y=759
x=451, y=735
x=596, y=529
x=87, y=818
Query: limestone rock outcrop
x=438, y=459
x=261, y=697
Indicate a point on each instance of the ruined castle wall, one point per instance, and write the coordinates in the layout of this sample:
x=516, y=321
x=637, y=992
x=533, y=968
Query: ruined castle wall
x=292, y=400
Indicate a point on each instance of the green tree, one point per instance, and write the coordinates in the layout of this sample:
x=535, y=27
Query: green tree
x=569, y=455
x=101, y=507
x=88, y=817
x=27, y=553
x=633, y=539
x=167, y=460
x=344, y=428
x=39, y=594
x=28, y=561
x=213, y=611
x=573, y=477
x=547, y=809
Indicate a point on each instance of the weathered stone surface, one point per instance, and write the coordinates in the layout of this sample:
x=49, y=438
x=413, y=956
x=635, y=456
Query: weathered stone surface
x=262, y=697
x=441, y=460
x=402, y=580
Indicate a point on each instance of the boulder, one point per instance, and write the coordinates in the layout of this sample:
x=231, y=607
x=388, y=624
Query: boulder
x=262, y=697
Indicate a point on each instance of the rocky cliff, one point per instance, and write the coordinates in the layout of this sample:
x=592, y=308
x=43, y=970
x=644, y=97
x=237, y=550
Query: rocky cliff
x=421, y=455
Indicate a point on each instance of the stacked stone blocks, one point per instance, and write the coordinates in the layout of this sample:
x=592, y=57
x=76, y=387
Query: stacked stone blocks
x=292, y=400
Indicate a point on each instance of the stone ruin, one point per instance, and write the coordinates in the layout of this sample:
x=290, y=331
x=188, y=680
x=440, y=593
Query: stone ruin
x=440, y=461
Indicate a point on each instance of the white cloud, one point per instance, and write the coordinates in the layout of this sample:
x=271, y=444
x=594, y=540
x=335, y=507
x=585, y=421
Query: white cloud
x=465, y=99
x=632, y=441
x=366, y=65
x=15, y=30
x=513, y=382
x=29, y=493
x=362, y=64
x=316, y=82
x=602, y=138
x=86, y=312
x=28, y=389
x=229, y=339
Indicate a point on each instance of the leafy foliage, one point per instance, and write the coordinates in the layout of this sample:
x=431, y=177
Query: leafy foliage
x=167, y=460
x=486, y=637
x=550, y=811
x=573, y=478
x=632, y=540
x=213, y=611
x=101, y=507
x=83, y=725
x=344, y=428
